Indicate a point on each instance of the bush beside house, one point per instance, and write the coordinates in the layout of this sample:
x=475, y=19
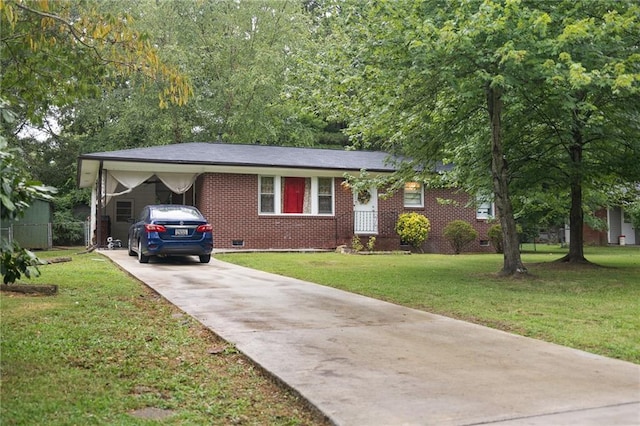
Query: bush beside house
x=495, y=236
x=460, y=234
x=413, y=229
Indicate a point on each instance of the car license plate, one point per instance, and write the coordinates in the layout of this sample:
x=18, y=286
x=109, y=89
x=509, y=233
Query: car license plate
x=181, y=232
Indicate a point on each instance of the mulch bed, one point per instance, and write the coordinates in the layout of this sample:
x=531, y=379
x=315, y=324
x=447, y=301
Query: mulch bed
x=38, y=289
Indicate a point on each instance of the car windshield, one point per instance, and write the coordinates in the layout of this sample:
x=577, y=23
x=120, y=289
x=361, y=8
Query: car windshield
x=175, y=213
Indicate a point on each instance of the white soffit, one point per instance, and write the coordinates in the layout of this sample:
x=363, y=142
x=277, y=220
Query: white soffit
x=89, y=170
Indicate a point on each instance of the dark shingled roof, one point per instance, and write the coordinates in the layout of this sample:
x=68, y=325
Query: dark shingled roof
x=252, y=155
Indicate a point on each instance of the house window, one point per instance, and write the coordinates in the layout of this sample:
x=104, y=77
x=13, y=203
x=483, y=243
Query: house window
x=325, y=195
x=124, y=210
x=484, y=210
x=413, y=194
x=296, y=195
x=267, y=194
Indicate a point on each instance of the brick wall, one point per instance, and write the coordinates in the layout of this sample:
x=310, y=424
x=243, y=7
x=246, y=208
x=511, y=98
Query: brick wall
x=594, y=237
x=439, y=215
x=230, y=203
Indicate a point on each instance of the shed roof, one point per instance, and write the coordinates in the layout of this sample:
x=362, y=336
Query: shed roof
x=233, y=158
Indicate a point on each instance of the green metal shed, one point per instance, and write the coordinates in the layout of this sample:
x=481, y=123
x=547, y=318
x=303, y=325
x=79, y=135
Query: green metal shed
x=33, y=231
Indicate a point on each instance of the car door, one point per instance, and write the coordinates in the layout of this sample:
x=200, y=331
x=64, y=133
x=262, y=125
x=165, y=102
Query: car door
x=137, y=227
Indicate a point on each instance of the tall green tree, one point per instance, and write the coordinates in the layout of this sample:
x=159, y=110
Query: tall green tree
x=57, y=54
x=427, y=80
x=465, y=82
x=238, y=56
x=54, y=52
x=584, y=103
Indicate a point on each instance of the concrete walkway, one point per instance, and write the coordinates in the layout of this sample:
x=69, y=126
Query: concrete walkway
x=361, y=361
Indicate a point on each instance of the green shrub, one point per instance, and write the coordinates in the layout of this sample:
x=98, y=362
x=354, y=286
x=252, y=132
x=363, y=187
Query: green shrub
x=413, y=229
x=371, y=243
x=356, y=244
x=459, y=233
x=495, y=236
x=16, y=261
x=67, y=230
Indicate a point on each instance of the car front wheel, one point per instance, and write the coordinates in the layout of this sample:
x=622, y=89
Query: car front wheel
x=141, y=257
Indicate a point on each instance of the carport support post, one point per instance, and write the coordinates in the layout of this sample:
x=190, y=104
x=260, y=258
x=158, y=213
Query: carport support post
x=99, y=212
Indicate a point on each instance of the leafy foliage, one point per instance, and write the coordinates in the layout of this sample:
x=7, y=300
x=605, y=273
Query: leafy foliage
x=16, y=261
x=413, y=229
x=55, y=52
x=459, y=234
x=495, y=236
x=239, y=56
x=356, y=243
x=560, y=81
x=371, y=243
x=67, y=230
x=17, y=192
x=633, y=210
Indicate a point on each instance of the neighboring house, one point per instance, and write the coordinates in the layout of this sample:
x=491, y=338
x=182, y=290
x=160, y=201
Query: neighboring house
x=33, y=230
x=620, y=230
x=268, y=197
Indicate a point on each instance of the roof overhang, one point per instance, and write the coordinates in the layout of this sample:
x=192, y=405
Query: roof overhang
x=89, y=168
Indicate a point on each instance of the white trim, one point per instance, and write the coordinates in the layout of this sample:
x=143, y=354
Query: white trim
x=485, y=211
x=276, y=195
x=94, y=213
x=404, y=199
x=89, y=171
x=609, y=237
x=365, y=215
x=316, y=196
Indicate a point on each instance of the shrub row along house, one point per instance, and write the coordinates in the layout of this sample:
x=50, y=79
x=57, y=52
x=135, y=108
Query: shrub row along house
x=269, y=197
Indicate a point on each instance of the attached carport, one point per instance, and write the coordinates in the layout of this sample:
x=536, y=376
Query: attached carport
x=109, y=178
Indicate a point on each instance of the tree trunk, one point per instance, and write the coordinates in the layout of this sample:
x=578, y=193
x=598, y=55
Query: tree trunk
x=576, y=214
x=500, y=176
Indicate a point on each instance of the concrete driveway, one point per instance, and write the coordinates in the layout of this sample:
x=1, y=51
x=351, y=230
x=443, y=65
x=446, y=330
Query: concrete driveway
x=362, y=361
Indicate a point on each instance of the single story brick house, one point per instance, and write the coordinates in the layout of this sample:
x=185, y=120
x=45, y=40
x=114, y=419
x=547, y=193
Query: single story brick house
x=269, y=197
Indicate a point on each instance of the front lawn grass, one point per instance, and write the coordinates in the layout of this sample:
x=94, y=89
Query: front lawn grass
x=106, y=345
x=595, y=308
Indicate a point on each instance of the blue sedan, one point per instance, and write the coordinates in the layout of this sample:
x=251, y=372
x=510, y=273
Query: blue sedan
x=170, y=229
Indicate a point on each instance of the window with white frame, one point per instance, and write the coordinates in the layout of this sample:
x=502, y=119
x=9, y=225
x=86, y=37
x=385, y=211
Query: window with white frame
x=295, y=195
x=413, y=194
x=325, y=196
x=267, y=194
x=484, y=210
